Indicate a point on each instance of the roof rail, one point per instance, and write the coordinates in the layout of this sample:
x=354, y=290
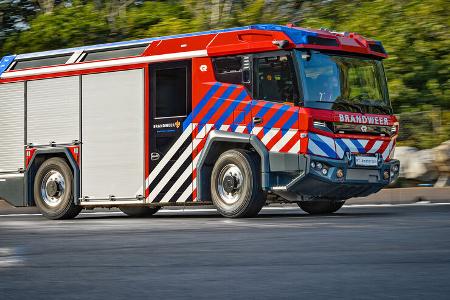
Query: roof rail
x=296, y=34
x=286, y=29
x=122, y=44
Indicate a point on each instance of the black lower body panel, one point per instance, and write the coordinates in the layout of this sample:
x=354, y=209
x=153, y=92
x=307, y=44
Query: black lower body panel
x=12, y=189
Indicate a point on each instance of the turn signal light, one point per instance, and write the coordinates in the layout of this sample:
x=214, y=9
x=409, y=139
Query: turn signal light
x=386, y=175
x=339, y=173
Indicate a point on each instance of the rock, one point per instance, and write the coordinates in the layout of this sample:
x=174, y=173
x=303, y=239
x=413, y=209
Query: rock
x=416, y=164
x=442, y=162
x=442, y=157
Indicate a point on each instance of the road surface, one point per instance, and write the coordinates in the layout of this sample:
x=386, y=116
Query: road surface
x=362, y=252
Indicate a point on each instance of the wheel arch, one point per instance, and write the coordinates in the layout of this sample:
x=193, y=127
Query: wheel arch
x=219, y=142
x=39, y=157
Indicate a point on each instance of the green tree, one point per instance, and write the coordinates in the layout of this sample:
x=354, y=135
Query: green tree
x=415, y=33
x=156, y=18
x=65, y=27
x=14, y=16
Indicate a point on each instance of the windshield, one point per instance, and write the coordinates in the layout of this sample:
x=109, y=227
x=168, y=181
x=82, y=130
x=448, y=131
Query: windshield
x=331, y=78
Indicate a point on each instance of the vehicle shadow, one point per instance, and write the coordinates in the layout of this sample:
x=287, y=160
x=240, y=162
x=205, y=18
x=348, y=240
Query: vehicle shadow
x=264, y=215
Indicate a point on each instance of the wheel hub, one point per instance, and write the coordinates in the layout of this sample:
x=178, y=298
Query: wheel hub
x=230, y=183
x=53, y=188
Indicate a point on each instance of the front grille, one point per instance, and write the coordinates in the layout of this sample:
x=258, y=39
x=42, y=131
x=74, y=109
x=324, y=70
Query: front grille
x=376, y=130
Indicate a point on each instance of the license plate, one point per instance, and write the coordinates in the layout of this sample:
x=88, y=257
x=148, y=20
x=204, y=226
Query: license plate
x=368, y=161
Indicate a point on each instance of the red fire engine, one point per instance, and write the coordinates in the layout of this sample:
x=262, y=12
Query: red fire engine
x=238, y=117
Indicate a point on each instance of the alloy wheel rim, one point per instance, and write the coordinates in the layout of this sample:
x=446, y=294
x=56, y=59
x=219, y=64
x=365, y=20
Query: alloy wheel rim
x=230, y=183
x=53, y=188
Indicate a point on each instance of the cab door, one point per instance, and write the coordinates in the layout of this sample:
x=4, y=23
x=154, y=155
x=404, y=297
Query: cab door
x=276, y=111
x=170, y=147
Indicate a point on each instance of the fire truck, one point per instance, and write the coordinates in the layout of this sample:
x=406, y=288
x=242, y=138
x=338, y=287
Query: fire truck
x=237, y=118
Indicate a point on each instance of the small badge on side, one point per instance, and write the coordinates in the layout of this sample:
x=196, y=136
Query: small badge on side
x=154, y=156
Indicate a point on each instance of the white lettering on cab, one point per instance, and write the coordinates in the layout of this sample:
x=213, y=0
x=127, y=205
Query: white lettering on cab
x=363, y=119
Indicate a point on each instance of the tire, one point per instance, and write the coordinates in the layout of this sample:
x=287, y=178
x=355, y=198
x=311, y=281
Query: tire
x=320, y=207
x=53, y=190
x=236, y=184
x=139, y=211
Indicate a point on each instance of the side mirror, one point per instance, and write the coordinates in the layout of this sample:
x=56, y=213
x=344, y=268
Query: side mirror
x=306, y=55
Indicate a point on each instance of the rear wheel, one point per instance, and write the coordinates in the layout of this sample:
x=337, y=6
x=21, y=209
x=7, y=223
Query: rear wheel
x=53, y=190
x=139, y=211
x=236, y=184
x=320, y=207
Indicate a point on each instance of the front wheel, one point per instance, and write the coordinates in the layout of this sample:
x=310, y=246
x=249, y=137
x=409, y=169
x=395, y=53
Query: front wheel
x=236, y=184
x=320, y=207
x=53, y=190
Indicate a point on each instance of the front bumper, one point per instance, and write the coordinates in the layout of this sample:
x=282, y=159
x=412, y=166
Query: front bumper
x=312, y=182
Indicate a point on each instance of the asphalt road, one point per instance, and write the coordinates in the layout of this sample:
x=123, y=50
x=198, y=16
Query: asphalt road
x=360, y=253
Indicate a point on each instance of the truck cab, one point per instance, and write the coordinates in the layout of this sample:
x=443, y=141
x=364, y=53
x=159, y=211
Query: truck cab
x=346, y=126
x=320, y=106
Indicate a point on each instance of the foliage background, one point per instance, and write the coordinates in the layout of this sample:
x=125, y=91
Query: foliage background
x=415, y=33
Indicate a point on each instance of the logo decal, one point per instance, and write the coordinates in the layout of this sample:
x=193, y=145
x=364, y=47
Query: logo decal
x=203, y=68
x=364, y=128
x=175, y=124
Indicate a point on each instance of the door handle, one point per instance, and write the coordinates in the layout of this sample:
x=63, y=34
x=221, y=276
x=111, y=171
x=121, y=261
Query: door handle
x=257, y=120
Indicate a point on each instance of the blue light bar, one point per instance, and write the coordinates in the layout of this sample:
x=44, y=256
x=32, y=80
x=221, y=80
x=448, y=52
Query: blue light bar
x=297, y=35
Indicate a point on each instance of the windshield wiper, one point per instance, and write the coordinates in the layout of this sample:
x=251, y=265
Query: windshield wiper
x=373, y=103
x=359, y=108
x=385, y=109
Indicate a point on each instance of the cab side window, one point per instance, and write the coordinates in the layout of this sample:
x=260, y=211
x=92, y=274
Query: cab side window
x=171, y=92
x=275, y=79
x=228, y=69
